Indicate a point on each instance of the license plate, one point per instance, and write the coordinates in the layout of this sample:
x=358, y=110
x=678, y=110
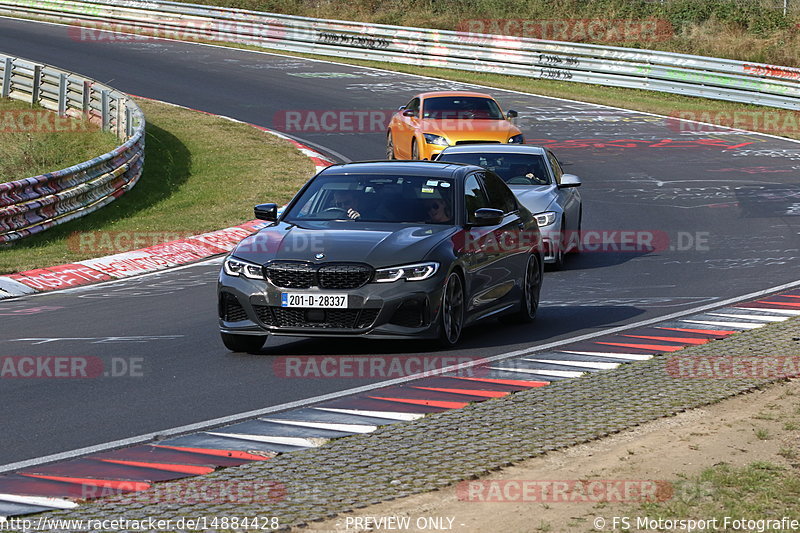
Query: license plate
x=326, y=301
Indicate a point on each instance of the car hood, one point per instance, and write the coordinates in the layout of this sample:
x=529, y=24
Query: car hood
x=378, y=244
x=469, y=130
x=536, y=198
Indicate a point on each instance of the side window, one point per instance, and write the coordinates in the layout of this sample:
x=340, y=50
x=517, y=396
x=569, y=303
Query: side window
x=474, y=196
x=557, y=172
x=500, y=196
x=413, y=105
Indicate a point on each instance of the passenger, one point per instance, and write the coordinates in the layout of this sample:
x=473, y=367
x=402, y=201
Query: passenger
x=438, y=211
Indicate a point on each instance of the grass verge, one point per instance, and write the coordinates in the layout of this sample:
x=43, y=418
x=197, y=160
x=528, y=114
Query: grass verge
x=34, y=140
x=750, y=494
x=201, y=173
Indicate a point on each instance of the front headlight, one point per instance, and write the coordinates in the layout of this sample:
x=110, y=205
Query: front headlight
x=236, y=267
x=430, y=138
x=415, y=272
x=516, y=139
x=545, y=219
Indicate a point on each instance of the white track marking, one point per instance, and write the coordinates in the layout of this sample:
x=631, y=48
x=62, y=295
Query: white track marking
x=614, y=355
x=387, y=415
x=790, y=312
x=735, y=325
x=763, y=318
x=584, y=364
x=551, y=373
x=344, y=428
x=286, y=441
x=41, y=501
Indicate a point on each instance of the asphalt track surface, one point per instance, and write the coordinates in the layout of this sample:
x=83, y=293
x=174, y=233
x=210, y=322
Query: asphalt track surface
x=728, y=203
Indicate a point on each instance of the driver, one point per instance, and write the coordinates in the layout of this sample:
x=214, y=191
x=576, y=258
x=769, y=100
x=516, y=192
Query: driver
x=347, y=201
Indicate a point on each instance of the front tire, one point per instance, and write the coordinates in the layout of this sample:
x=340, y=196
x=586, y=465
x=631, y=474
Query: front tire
x=243, y=343
x=561, y=247
x=451, y=321
x=531, y=288
x=414, y=150
x=576, y=242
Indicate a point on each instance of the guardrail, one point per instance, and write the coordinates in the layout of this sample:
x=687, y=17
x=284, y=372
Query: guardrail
x=32, y=205
x=724, y=79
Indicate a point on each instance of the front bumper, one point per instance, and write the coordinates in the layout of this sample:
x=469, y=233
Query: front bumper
x=380, y=310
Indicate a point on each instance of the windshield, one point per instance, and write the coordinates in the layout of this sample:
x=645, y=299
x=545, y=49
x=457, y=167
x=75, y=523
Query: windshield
x=376, y=198
x=461, y=107
x=514, y=169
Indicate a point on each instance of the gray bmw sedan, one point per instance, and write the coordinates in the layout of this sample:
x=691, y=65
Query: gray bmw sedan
x=395, y=249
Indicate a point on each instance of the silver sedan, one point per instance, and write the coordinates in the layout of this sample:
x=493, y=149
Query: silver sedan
x=536, y=177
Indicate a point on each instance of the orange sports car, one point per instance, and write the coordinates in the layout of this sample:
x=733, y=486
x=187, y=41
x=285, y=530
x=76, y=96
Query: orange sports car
x=431, y=122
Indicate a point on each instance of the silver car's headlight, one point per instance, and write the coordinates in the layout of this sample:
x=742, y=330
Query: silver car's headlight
x=415, y=272
x=236, y=267
x=516, y=139
x=545, y=219
x=430, y=138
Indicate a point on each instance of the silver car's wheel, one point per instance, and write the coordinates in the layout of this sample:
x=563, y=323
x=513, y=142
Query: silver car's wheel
x=531, y=288
x=575, y=242
x=243, y=343
x=560, y=247
x=452, y=312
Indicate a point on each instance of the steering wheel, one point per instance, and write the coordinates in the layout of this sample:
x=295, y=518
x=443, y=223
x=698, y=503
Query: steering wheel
x=335, y=212
x=519, y=180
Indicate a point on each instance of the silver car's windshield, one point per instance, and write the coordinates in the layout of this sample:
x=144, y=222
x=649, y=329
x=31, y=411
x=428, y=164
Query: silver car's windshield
x=514, y=169
x=376, y=198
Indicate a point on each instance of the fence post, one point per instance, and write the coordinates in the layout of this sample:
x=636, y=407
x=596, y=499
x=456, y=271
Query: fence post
x=37, y=84
x=87, y=98
x=128, y=122
x=104, y=111
x=7, y=71
x=62, y=94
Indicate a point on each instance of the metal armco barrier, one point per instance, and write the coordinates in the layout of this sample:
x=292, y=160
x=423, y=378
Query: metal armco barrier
x=723, y=79
x=35, y=204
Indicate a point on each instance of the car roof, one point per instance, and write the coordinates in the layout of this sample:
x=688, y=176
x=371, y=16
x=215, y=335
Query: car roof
x=434, y=94
x=493, y=149
x=402, y=167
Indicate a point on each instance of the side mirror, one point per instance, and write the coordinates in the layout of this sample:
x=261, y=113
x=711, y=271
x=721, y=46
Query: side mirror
x=486, y=216
x=409, y=113
x=569, y=180
x=268, y=212
x=511, y=114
